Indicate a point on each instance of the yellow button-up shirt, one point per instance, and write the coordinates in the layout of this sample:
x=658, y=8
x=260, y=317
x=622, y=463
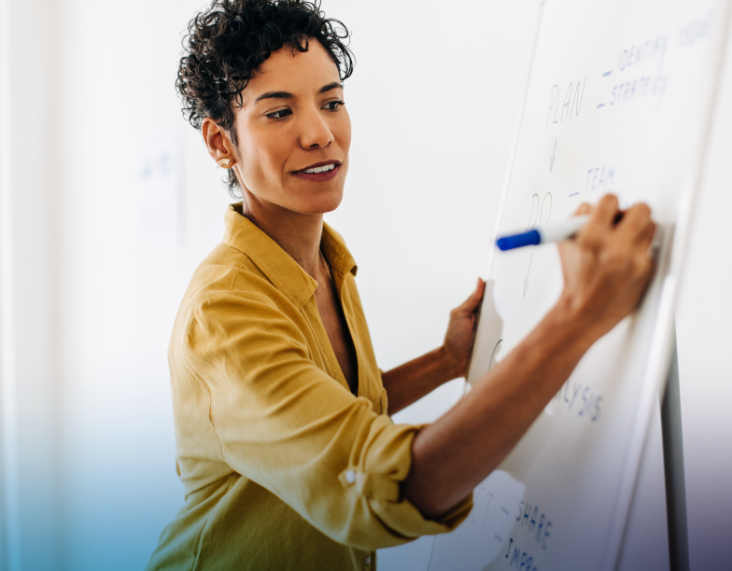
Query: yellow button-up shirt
x=283, y=467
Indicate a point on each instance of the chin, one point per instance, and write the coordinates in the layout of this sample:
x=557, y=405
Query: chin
x=322, y=203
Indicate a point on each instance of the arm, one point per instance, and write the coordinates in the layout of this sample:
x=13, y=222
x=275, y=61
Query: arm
x=606, y=269
x=284, y=423
x=411, y=381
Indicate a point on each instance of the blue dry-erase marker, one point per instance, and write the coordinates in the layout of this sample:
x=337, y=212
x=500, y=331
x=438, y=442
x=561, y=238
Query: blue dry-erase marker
x=551, y=233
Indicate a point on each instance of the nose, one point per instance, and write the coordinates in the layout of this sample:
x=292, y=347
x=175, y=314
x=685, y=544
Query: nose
x=314, y=130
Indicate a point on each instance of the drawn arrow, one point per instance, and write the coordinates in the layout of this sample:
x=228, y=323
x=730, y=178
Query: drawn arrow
x=526, y=279
x=554, y=155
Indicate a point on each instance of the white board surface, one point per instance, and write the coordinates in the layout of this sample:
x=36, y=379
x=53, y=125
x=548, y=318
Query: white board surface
x=619, y=99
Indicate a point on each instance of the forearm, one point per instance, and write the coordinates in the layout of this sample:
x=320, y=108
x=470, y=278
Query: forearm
x=411, y=381
x=454, y=454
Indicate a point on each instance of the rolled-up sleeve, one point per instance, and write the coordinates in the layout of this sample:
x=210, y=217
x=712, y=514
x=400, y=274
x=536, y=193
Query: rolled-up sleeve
x=285, y=424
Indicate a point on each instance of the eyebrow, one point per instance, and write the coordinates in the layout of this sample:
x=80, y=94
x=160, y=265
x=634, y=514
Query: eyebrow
x=288, y=95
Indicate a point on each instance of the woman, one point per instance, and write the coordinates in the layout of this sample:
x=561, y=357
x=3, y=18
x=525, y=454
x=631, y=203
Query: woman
x=284, y=444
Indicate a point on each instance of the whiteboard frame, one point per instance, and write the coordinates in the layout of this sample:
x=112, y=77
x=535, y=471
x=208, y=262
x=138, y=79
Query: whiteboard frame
x=663, y=339
x=673, y=468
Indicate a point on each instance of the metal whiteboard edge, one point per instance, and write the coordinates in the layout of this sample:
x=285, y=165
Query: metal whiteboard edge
x=657, y=368
x=674, y=476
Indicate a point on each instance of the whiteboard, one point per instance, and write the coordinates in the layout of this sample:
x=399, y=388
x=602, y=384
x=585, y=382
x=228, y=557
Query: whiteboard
x=620, y=99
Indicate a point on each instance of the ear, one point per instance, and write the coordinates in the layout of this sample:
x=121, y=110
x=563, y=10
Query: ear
x=218, y=143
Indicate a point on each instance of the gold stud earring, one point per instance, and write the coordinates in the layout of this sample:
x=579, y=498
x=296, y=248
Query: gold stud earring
x=224, y=163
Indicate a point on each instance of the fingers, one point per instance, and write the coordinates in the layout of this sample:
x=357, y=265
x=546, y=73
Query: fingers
x=636, y=227
x=583, y=208
x=647, y=239
x=472, y=303
x=633, y=236
x=633, y=232
x=605, y=211
x=602, y=218
x=607, y=266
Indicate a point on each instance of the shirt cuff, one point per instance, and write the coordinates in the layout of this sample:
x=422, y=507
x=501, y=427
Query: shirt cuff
x=381, y=492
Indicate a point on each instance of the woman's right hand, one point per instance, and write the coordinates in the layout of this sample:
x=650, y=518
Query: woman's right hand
x=606, y=266
x=606, y=269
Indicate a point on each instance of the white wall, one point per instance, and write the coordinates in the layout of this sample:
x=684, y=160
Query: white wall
x=434, y=112
x=120, y=291
x=28, y=357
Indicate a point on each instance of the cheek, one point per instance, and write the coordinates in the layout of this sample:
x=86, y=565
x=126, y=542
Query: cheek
x=262, y=161
x=344, y=132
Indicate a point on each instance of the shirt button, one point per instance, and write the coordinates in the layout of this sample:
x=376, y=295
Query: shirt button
x=351, y=478
x=368, y=560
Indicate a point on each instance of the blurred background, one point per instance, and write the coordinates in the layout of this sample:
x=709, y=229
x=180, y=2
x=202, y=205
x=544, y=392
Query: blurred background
x=109, y=200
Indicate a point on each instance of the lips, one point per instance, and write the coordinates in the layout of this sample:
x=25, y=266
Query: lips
x=323, y=175
x=321, y=164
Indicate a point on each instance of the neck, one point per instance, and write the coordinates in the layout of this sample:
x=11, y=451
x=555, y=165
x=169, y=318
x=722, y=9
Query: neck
x=297, y=234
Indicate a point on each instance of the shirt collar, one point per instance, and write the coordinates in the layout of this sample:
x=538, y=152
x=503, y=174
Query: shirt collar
x=276, y=264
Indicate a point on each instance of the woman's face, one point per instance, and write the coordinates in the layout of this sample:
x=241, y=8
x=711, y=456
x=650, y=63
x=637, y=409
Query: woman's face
x=293, y=120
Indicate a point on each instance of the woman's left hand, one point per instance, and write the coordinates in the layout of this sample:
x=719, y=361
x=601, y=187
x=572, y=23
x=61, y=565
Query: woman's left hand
x=460, y=334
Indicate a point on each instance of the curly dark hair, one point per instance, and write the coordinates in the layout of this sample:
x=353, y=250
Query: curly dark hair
x=228, y=42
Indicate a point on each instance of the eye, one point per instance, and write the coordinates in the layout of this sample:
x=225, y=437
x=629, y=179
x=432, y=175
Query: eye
x=279, y=114
x=333, y=105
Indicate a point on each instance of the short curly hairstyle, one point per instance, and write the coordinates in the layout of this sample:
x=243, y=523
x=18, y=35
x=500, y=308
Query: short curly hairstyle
x=227, y=43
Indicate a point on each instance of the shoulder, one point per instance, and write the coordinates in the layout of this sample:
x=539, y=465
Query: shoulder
x=226, y=270
x=228, y=294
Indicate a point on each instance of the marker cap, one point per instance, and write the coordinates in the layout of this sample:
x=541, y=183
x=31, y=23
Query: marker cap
x=531, y=238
